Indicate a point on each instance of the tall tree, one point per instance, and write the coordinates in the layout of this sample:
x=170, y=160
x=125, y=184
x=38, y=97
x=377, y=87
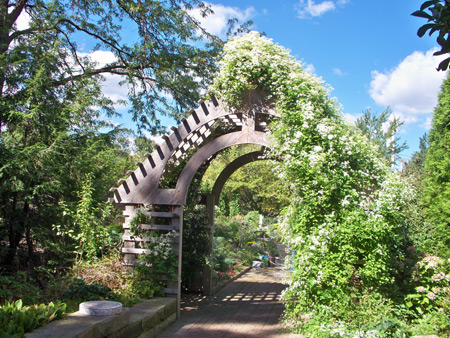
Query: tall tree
x=417, y=161
x=437, y=174
x=52, y=127
x=381, y=130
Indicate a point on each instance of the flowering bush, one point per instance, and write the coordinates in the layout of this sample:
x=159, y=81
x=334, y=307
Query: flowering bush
x=345, y=224
x=162, y=261
x=431, y=281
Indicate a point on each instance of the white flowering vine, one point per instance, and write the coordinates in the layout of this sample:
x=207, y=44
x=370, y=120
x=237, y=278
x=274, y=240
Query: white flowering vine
x=345, y=222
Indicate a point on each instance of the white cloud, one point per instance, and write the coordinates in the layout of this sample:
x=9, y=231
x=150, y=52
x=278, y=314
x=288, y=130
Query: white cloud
x=110, y=86
x=309, y=8
x=23, y=21
x=351, y=118
x=338, y=72
x=428, y=123
x=101, y=57
x=411, y=88
x=216, y=23
x=310, y=68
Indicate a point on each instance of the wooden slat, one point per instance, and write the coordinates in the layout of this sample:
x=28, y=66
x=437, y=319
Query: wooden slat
x=164, y=214
x=135, y=251
x=136, y=263
x=159, y=213
x=154, y=227
x=146, y=239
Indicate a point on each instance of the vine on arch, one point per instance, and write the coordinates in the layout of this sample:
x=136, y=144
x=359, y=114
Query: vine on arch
x=345, y=223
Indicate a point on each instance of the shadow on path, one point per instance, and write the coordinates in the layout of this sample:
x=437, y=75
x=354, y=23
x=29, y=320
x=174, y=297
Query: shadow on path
x=247, y=307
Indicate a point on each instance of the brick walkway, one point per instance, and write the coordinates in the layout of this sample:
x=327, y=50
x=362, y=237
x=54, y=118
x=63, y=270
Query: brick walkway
x=247, y=307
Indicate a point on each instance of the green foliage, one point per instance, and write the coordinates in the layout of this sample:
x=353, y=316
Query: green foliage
x=416, y=165
x=196, y=243
x=436, y=195
x=143, y=286
x=431, y=286
x=387, y=143
x=20, y=286
x=346, y=222
x=236, y=243
x=254, y=186
x=88, y=225
x=79, y=290
x=16, y=320
x=437, y=12
x=162, y=259
x=252, y=219
x=432, y=323
x=235, y=205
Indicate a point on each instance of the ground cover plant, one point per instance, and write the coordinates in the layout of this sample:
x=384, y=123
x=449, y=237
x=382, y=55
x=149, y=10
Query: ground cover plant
x=16, y=319
x=354, y=266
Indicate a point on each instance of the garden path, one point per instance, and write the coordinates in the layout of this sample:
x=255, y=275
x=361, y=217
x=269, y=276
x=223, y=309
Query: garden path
x=250, y=306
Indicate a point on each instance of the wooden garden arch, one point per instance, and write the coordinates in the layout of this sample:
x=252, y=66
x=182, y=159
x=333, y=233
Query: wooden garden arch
x=197, y=138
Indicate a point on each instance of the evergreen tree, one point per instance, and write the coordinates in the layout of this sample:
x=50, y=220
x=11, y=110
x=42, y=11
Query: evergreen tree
x=437, y=174
x=381, y=130
x=417, y=162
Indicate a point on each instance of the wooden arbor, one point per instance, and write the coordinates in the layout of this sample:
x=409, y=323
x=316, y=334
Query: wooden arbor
x=205, y=132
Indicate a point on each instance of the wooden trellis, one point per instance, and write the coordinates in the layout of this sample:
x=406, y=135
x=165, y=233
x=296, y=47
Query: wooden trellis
x=195, y=141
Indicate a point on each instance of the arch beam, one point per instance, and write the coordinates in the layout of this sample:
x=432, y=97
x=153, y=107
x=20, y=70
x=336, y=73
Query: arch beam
x=178, y=195
x=231, y=168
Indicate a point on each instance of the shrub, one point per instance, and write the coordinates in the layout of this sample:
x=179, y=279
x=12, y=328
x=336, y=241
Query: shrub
x=436, y=322
x=79, y=290
x=107, y=271
x=431, y=286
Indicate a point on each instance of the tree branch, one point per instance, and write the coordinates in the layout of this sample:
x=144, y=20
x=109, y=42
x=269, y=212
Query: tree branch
x=112, y=44
x=12, y=17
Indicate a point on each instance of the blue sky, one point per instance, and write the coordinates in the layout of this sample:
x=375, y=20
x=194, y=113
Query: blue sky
x=367, y=51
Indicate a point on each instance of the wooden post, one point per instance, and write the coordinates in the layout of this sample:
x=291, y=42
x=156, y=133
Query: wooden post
x=178, y=222
x=207, y=271
x=129, y=213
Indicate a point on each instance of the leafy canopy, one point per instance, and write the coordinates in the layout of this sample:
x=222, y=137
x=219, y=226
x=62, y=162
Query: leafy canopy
x=164, y=67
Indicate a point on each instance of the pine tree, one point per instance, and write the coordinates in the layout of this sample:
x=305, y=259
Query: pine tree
x=437, y=174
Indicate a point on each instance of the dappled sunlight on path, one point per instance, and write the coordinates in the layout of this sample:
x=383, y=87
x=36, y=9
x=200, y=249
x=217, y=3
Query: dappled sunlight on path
x=250, y=306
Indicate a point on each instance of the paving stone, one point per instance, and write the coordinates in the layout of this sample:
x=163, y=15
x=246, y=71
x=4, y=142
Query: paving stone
x=247, y=307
